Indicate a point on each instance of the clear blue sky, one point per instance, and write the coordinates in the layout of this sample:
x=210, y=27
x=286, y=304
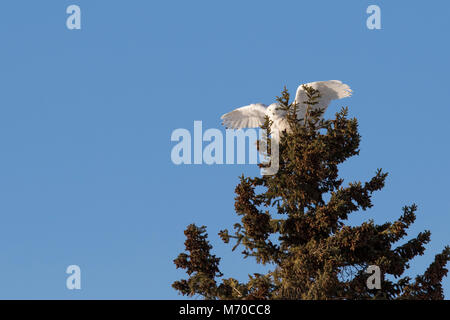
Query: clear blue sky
x=86, y=117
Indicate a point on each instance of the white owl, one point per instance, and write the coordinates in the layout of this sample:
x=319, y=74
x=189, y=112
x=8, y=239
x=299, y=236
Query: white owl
x=252, y=116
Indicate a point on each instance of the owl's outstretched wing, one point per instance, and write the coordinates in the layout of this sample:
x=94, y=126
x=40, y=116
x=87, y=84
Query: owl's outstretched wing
x=329, y=90
x=251, y=116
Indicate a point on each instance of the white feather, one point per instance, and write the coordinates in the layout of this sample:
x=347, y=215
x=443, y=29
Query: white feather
x=252, y=116
x=329, y=91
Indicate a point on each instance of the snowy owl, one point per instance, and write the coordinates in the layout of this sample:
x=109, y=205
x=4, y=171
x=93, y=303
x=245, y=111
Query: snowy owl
x=252, y=116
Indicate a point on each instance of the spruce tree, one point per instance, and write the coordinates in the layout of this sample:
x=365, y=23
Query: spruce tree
x=296, y=226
